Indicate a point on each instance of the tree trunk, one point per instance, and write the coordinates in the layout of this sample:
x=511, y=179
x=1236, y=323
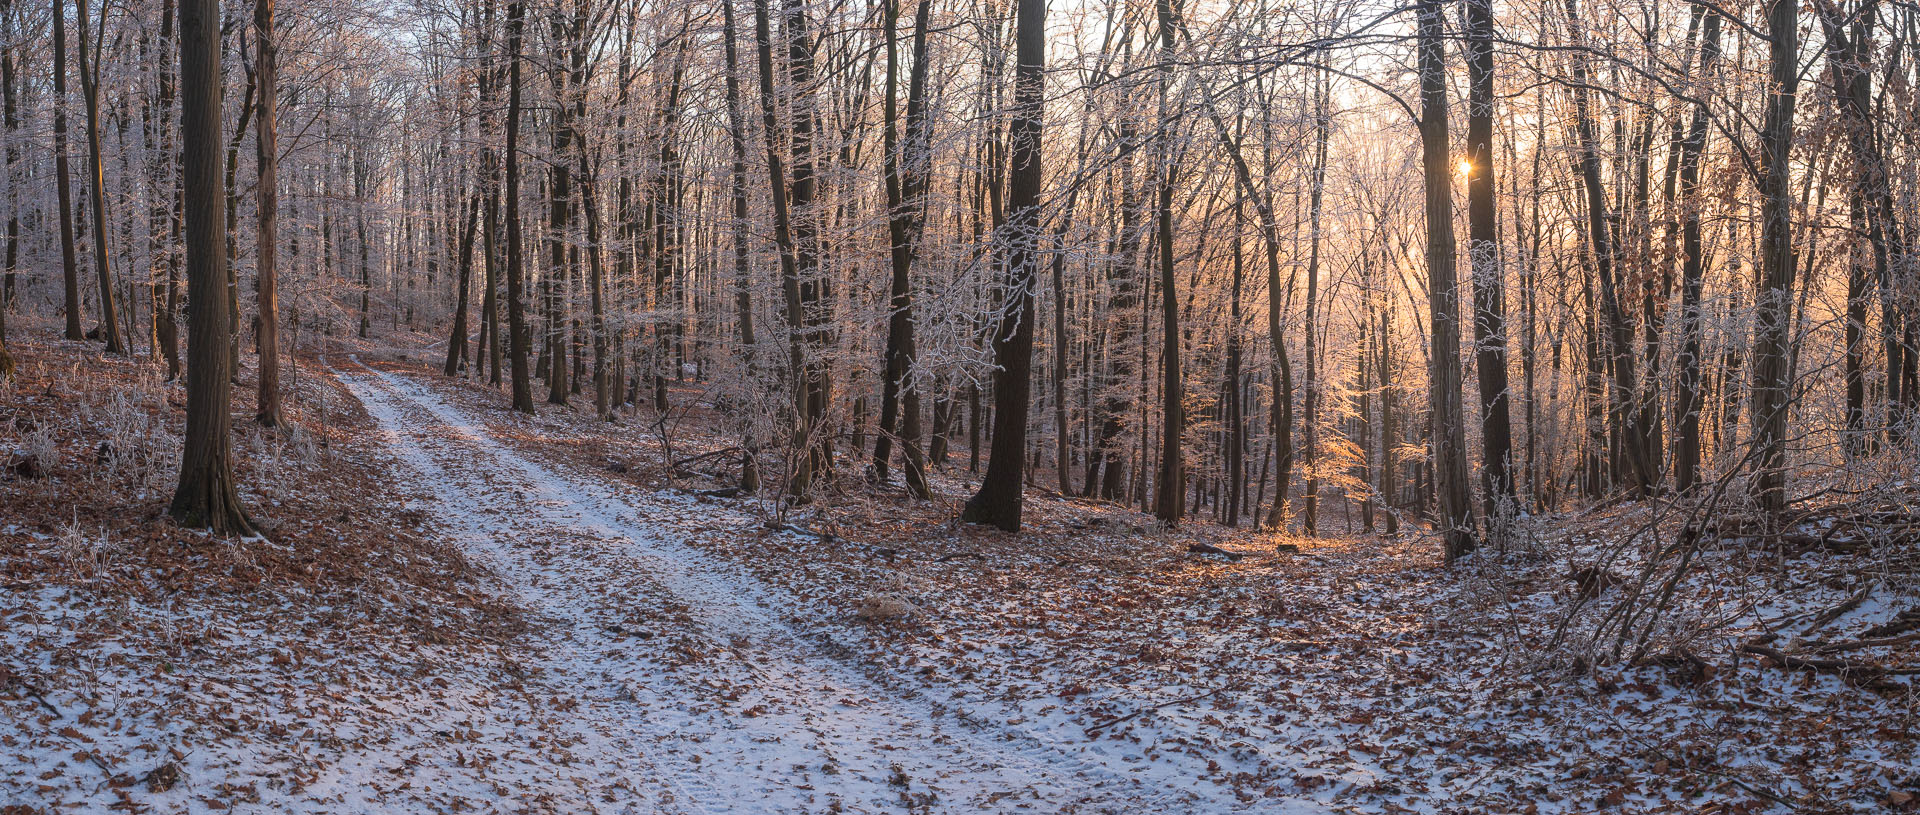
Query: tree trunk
x=1310, y=401
x=518, y=337
x=69, y=265
x=1772, y=308
x=10, y=119
x=265, y=135
x=905, y=169
x=206, y=495
x=742, y=266
x=998, y=501
x=1687, y=402
x=1173, y=391
x=1489, y=286
x=96, y=178
x=457, y=342
x=1449, y=435
x=1622, y=398
x=800, y=478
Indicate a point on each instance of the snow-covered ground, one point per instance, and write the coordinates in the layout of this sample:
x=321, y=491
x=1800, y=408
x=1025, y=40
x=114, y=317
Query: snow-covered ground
x=690, y=678
x=468, y=610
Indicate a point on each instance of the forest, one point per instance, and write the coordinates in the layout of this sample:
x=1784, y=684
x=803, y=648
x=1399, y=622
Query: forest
x=1284, y=406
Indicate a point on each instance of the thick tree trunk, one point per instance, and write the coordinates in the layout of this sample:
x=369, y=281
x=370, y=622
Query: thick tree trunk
x=998, y=501
x=800, y=476
x=518, y=337
x=905, y=169
x=1310, y=400
x=10, y=119
x=596, y=294
x=1123, y=278
x=742, y=265
x=1774, y=304
x=206, y=495
x=1449, y=434
x=1489, y=286
x=457, y=341
x=1173, y=391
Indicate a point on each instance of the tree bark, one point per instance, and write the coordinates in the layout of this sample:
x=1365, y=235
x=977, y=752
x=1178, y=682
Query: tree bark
x=1449, y=436
x=905, y=169
x=457, y=341
x=96, y=178
x=69, y=264
x=518, y=336
x=742, y=265
x=206, y=494
x=1687, y=402
x=266, y=144
x=1172, y=476
x=1489, y=286
x=1773, y=305
x=998, y=502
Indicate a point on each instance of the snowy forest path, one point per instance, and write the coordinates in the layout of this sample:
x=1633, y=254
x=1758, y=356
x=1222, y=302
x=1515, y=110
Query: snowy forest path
x=694, y=695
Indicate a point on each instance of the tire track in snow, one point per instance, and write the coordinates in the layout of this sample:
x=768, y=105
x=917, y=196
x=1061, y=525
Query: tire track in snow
x=826, y=736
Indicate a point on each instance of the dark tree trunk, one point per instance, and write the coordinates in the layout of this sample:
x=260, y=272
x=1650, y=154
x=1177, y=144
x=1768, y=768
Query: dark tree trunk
x=905, y=168
x=742, y=265
x=998, y=501
x=10, y=119
x=518, y=336
x=96, y=178
x=63, y=173
x=1310, y=400
x=1173, y=391
x=1449, y=435
x=206, y=495
x=1774, y=304
x=266, y=150
x=457, y=342
x=1489, y=287
x=800, y=477
x=1687, y=402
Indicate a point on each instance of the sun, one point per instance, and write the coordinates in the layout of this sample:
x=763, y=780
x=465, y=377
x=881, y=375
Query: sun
x=1465, y=168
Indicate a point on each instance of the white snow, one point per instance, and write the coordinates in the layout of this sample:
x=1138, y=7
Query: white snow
x=763, y=719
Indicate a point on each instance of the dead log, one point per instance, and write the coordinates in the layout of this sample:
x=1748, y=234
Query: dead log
x=1861, y=674
x=1906, y=621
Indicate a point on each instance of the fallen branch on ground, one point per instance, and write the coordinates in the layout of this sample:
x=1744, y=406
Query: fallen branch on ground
x=1163, y=705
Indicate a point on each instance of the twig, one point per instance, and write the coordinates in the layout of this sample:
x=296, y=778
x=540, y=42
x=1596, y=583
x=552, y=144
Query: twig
x=1866, y=675
x=1856, y=645
x=1841, y=610
x=1189, y=700
x=17, y=678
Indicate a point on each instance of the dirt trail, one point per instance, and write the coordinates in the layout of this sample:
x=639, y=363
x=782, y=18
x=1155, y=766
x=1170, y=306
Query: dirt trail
x=741, y=713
